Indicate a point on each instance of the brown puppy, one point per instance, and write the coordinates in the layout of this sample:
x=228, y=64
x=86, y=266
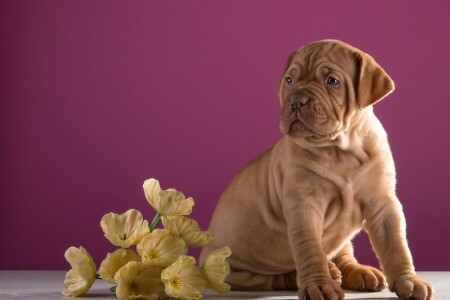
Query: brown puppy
x=290, y=214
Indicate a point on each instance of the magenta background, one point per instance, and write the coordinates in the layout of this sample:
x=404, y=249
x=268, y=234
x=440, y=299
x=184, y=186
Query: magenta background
x=97, y=96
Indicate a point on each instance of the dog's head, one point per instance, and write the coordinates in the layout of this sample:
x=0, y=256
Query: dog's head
x=324, y=85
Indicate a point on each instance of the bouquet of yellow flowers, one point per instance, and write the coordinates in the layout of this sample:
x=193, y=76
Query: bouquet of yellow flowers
x=160, y=263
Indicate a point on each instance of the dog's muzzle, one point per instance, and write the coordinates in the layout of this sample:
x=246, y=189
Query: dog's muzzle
x=298, y=100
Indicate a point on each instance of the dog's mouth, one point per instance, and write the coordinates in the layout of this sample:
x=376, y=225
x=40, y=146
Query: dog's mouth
x=310, y=119
x=299, y=127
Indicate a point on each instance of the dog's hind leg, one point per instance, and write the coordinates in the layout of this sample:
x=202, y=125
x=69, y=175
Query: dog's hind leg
x=248, y=281
x=356, y=276
x=243, y=280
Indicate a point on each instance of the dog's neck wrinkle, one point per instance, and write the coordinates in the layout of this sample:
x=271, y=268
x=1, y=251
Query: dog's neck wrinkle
x=351, y=140
x=348, y=142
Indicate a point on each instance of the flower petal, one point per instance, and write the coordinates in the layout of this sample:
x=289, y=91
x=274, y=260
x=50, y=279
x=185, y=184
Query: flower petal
x=217, y=269
x=136, y=280
x=183, y=279
x=129, y=221
x=170, y=203
x=80, y=278
x=189, y=230
x=114, y=261
x=160, y=248
x=151, y=190
x=75, y=284
x=126, y=229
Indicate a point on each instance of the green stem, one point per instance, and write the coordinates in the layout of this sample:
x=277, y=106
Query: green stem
x=113, y=289
x=97, y=276
x=155, y=222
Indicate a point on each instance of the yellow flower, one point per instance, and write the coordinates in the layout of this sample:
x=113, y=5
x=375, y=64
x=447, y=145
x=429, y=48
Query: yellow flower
x=169, y=203
x=138, y=281
x=114, y=261
x=217, y=269
x=126, y=229
x=160, y=248
x=183, y=279
x=80, y=278
x=188, y=230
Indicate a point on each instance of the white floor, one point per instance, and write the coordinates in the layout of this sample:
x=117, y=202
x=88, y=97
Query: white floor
x=47, y=285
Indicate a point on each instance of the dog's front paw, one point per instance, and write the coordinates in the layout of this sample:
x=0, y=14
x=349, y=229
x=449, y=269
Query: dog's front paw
x=412, y=287
x=362, y=278
x=320, y=290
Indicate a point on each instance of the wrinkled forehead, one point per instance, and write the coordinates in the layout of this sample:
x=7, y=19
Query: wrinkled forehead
x=329, y=53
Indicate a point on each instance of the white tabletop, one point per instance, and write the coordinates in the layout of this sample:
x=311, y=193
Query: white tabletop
x=47, y=285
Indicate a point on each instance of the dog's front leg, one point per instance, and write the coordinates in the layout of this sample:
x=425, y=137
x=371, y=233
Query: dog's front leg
x=387, y=231
x=304, y=219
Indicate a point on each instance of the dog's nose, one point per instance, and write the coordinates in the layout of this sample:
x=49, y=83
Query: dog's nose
x=298, y=100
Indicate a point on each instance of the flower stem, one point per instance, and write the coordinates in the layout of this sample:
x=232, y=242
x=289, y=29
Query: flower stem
x=155, y=222
x=113, y=289
x=97, y=276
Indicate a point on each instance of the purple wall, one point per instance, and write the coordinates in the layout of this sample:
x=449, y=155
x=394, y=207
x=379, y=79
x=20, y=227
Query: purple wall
x=97, y=96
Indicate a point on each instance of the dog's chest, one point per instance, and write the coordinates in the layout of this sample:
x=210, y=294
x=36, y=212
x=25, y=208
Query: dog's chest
x=344, y=176
x=343, y=169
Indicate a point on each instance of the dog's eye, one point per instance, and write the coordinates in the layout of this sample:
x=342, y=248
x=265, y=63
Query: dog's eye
x=289, y=80
x=332, y=81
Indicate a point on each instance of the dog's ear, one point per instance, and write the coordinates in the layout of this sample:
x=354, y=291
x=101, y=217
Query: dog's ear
x=372, y=82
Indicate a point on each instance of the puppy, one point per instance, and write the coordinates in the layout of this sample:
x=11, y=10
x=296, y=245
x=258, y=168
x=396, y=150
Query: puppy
x=290, y=214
